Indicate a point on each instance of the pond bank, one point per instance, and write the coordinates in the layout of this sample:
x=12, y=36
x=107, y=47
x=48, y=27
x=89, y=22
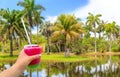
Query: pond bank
x=59, y=57
x=101, y=54
x=53, y=57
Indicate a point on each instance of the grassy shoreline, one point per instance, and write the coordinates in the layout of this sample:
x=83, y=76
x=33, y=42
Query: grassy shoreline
x=61, y=58
x=57, y=57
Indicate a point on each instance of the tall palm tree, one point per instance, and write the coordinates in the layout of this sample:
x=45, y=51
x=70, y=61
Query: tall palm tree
x=12, y=26
x=29, y=11
x=69, y=28
x=86, y=31
x=100, y=28
x=110, y=30
x=45, y=30
x=93, y=21
x=37, y=21
x=2, y=38
x=117, y=32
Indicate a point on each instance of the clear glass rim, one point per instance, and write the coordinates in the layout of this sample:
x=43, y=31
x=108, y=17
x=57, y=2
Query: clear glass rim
x=31, y=45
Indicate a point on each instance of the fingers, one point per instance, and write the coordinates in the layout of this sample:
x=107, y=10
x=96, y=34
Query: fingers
x=35, y=56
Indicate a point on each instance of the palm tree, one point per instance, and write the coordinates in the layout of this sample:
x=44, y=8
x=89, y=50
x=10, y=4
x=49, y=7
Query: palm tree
x=12, y=26
x=86, y=31
x=100, y=28
x=67, y=27
x=2, y=38
x=45, y=30
x=37, y=21
x=93, y=21
x=117, y=32
x=29, y=11
x=110, y=30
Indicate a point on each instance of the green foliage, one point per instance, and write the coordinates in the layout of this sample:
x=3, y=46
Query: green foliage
x=41, y=39
x=102, y=45
x=77, y=46
x=88, y=44
x=115, y=47
x=53, y=48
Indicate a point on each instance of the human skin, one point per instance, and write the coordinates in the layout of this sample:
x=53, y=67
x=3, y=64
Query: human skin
x=20, y=65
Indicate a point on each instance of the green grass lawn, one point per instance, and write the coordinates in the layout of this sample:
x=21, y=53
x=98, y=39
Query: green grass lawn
x=53, y=57
x=60, y=58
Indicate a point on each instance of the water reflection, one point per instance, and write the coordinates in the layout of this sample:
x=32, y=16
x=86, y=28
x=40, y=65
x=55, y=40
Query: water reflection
x=97, y=68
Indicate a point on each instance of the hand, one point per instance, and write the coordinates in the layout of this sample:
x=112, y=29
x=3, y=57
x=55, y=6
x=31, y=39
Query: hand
x=24, y=60
x=20, y=65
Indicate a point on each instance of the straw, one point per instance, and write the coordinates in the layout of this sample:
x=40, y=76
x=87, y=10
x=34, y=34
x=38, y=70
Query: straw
x=26, y=31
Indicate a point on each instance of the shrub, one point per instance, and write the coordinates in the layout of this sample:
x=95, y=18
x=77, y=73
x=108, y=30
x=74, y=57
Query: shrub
x=115, y=47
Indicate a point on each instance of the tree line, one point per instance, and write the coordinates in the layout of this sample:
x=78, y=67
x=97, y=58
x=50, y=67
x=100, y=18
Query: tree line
x=67, y=34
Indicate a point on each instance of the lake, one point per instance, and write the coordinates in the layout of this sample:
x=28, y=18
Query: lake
x=104, y=66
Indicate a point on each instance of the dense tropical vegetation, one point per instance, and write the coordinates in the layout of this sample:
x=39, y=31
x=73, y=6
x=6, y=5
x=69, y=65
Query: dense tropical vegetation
x=68, y=34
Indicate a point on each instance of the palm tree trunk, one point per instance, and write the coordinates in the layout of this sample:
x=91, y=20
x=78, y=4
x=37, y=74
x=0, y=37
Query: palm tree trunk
x=48, y=47
x=19, y=43
x=65, y=49
x=58, y=48
x=68, y=51
x=3, y=44
x=110, y=43
x=37, y=35
x=95, y=44
x=99, y=35
x=95, y=39
x=30, y=35
x=11, y=47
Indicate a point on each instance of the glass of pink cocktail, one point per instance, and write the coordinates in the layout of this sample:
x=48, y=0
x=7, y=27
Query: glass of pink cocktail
x=33, y=50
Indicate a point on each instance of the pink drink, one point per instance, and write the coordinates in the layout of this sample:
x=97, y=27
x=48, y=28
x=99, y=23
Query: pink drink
x=33, y=50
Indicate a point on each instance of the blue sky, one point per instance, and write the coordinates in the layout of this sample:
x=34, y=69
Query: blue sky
x=108, y=8
x=53, y=7
x=56, y=7
x=80, y=8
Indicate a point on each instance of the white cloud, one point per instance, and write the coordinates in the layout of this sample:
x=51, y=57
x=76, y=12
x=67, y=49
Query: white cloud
x=52, y=19
x=108, y=8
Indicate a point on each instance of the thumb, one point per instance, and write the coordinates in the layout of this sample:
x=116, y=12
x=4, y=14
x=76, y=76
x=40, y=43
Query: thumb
x=35, y=56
